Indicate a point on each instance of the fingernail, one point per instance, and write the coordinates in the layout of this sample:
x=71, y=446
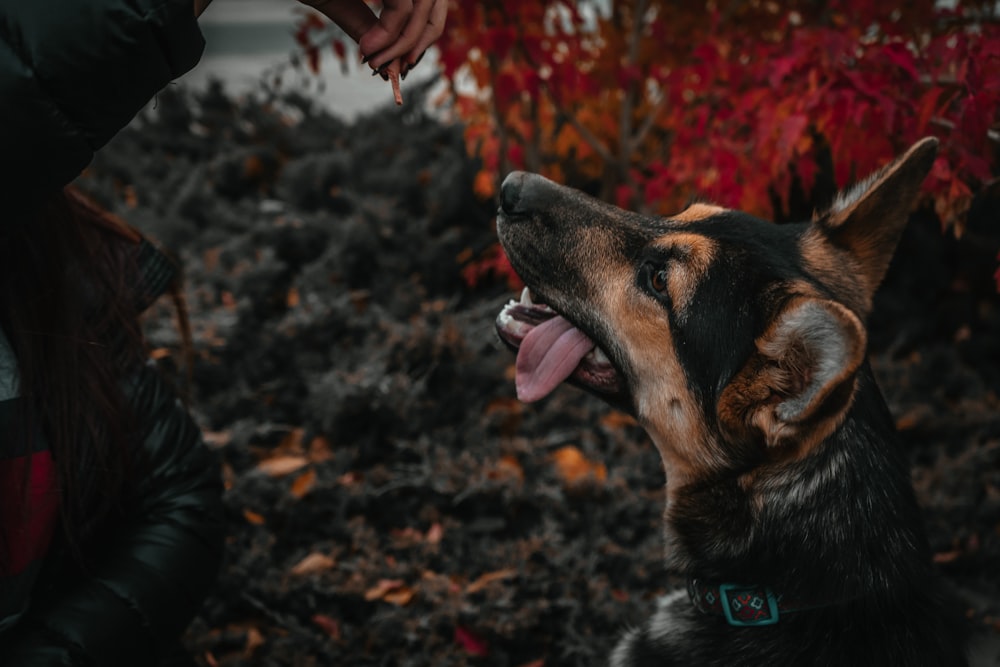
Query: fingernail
x=375, y=71
x=385, y=77
x=364, y=59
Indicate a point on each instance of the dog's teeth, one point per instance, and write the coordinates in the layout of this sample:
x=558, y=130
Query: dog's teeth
x=599, y=357
x=526, y=297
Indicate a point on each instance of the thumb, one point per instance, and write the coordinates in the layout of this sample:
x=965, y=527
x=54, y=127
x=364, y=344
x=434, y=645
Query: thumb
x=391, y=22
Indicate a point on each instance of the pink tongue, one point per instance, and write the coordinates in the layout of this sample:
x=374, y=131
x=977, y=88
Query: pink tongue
x=547, y=356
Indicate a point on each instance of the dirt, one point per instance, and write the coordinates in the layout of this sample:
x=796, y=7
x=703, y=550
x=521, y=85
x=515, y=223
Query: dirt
x=389, y=501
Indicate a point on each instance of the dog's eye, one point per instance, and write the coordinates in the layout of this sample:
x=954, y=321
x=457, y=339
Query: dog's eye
x=658, y=280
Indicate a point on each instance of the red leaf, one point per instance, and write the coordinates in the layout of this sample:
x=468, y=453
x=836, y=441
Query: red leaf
x=781, y=68
x=339, y=49
x=900, y=56
x=330, y=626
x=792, y=129
x=927, y=107
x=312, y=58
x=471, y=642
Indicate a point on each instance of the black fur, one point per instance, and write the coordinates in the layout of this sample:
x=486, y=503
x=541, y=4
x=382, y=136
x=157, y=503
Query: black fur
x=835, y=523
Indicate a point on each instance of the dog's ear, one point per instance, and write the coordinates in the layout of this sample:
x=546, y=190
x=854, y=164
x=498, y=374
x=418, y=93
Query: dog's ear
x=868, y=218
x=799, y=381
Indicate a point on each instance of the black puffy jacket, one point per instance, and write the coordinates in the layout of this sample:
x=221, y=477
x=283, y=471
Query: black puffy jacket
x=72, y=73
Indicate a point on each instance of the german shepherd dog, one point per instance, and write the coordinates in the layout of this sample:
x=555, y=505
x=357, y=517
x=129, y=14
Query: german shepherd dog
x=740, y=347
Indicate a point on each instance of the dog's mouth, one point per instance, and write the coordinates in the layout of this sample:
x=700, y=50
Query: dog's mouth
x=552, y=350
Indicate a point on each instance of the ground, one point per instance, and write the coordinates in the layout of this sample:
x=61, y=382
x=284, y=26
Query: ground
x=389, y=501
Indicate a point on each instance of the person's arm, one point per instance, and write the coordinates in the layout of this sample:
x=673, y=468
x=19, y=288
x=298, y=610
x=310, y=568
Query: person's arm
x=157, y=568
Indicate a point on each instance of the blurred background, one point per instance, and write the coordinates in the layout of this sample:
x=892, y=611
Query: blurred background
x=390, y=502
x=250, y=41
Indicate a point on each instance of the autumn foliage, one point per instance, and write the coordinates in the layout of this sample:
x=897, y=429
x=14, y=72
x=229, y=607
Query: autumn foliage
x=764, y=105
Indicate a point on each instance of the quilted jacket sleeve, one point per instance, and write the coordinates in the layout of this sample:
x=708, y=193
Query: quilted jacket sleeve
x=74, y=72
x=155, y=574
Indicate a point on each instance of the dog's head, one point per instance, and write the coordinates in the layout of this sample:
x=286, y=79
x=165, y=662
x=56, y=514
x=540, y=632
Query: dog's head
x=725, y=335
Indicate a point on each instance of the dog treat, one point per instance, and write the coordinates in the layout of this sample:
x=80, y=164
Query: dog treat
x=390, y=72
x=397, y=94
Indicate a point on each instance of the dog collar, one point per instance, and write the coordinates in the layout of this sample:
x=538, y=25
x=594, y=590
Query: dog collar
x=742, y=605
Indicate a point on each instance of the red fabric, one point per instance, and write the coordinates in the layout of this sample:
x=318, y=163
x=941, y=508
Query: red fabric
x=27, y=519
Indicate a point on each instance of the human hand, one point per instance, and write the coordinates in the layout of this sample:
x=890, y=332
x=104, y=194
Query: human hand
x=404, y=29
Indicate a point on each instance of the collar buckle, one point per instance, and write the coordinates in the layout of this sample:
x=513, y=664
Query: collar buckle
x=742, y=605
x=748, y=606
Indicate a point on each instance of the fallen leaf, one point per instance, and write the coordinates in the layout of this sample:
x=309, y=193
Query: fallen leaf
x=159, y=353
x=534, y=663
x=393, y=591
x=484, y=580
x=304, y=483
x=944, y=557
x=313, y=563
x=400, y=596
x=292, y=298
x=471, y=642
x=408, y=536
x=253, y=517
x=617, y=419
x=350, y=478
x=504, y=405
x=379, y=590
x=254, y=641
x=320, y=449
x=280, y=466
x=435, y=533
x=210, y=659
x=508, y=413
x=508, y=467
x=574, y=467
x=330, y=626
x=291, y=443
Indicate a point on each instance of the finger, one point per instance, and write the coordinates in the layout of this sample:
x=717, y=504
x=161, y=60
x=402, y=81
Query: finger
x=353, y=16
x=381, y=46
x=433, y=30
x=396, y=14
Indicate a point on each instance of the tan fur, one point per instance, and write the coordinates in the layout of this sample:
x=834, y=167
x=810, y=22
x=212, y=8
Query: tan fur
x=749, y=407
x=695, y=254
x=838, y=270
x=697, y=211
x=664, y=404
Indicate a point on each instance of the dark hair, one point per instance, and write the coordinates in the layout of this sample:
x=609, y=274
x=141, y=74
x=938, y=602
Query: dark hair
x=66, y=311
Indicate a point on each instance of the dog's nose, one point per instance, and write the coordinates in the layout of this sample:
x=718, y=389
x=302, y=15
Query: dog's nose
x=510, y=192
x=523, y=192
